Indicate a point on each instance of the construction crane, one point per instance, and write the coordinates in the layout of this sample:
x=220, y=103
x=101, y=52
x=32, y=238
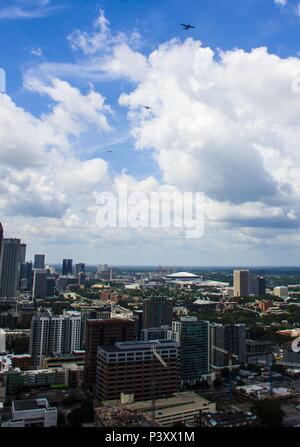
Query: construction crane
x=155, y=355
x=230, y=366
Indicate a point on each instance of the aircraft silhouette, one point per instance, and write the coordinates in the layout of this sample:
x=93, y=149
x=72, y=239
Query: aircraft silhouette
x=147, y=107
x=187, y=27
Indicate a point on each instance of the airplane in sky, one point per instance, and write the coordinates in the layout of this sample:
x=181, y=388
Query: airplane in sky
x=187, y=27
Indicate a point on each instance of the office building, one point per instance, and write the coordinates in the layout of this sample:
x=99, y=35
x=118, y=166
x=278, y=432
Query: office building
x=157, y=312
x=261, y=286
x=39, y=284
x=31, y=413
x=257, y=286
x=103, y=333
x=230, y=338
x=241, y=283
x=52, y=334
x=67, y=268
x=79, y=268
x=134, y=369
x=281, y=291
x=39, y=262
x=22, y=253
x=26, y=275
x=50, y=286
x=259, y=351
x=193, y=336
x=9, y=267
x=1, y=237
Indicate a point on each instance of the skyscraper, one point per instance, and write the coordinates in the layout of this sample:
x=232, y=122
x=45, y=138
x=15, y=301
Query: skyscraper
x=39, y=283
x=67, y=268
x=231, y=338
x=241, y=283
x=157, y=312
x=22, y=253
x=50, y=286
x=257, y=286
x=79, y=268
x=1, y=236
x=103, y=333
x=261, y=286
x=9, y=267
x=193, y=336
x=26, y=275
x=39, y=262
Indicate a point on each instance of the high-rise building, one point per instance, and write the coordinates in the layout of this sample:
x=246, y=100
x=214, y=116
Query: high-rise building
x=193, y=336
x=231, y=338
x=52, y=335
x=135, y=369
x=241, y=283
x=157, y=312
x=39, y=284
x=50, y=286
x=79, y=268
x=81, y=279
x=103, y=333
x=1, y=236
x=9, y=267
x=257, y=286
x=22, y=253
x=261, y=286
x=39, y=262
x=26, y=275
x=281, y=291
x=67, y=268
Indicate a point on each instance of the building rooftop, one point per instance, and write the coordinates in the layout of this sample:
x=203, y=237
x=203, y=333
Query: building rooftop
x=139, y=345
x=183, y=275
x=30, y=404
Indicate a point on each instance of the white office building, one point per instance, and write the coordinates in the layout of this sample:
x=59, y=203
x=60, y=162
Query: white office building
x=52, y=335
x=32, y=413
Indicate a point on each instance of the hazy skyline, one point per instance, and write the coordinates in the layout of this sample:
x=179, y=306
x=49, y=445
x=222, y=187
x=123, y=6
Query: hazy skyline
x=224, y=121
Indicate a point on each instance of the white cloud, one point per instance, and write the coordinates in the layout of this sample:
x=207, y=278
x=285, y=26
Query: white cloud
x=26, y=9
x=281, y=2
x=36, y=52
x=226, y=124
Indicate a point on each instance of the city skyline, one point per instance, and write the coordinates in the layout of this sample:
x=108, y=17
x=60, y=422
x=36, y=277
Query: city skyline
x=121, y=94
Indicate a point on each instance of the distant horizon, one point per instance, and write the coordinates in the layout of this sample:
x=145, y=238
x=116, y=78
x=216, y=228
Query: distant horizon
x=181, y=266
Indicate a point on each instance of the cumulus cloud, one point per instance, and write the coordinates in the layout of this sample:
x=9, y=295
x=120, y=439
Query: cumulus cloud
x=225, y=123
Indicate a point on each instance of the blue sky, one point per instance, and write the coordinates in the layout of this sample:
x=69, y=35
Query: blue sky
x=78, y=74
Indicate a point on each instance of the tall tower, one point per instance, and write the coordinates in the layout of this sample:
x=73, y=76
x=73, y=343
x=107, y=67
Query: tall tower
x=241, y=283
x=193, y=336
x=1, y=236
x=39, y=283
x=39, y=262
x=67, y=268
x=9, y=267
